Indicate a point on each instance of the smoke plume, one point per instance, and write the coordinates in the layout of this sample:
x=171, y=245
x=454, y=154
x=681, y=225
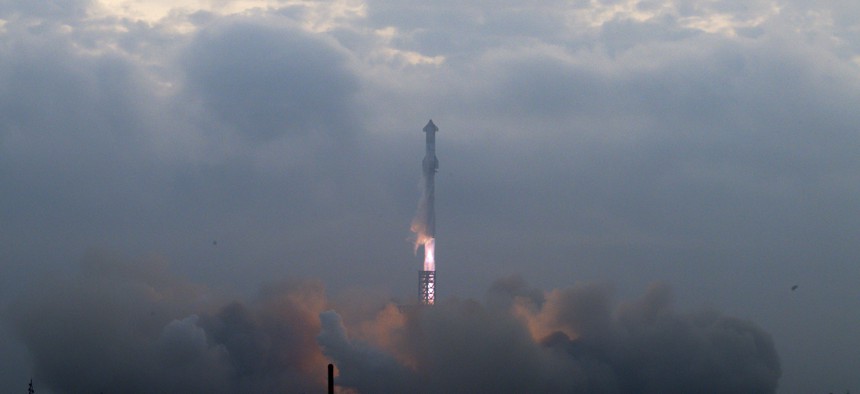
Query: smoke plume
x=132, y=327
x=570, y=340
x=419, y=225
x=423, y=224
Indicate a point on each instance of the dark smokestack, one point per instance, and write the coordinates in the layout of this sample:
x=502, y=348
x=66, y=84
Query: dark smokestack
x=331, y=379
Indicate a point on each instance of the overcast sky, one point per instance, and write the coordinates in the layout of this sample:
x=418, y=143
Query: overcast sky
x=710, y=147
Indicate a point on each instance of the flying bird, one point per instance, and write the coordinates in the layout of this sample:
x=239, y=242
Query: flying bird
x=793, y=288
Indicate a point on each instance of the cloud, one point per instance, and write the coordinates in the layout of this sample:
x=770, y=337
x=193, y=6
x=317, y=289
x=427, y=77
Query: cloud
x=45, y=9
x=574, y=340
x=122, y=326
x=266, y=81
x=370, y=370
x=700, y=144
x=132, y=326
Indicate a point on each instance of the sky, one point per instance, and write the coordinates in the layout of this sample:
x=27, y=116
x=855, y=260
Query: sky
x=612, y=175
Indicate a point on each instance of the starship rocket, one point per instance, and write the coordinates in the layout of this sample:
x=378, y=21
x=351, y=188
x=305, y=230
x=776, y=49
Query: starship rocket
x=430, y=166
x=427, y=217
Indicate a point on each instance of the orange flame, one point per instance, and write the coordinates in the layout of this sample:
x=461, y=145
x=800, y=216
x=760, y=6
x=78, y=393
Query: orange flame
x=429, y=255
x=420, y=229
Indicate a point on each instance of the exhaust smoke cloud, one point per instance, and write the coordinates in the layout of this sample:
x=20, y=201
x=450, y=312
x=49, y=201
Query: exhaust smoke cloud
x=133, y=327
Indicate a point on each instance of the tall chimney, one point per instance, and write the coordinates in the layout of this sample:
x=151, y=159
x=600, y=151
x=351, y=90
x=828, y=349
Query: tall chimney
x=331, y=379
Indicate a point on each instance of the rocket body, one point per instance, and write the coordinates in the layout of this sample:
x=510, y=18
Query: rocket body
x=427, y=237
x=430, y=165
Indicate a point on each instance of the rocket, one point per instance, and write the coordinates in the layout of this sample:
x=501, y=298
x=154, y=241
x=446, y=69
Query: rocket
x=430, y=165
x=427, y=216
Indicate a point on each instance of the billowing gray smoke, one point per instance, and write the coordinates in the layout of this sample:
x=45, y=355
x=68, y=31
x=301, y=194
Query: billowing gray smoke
x=134, y=328
x=124, y=327
x=570, y=340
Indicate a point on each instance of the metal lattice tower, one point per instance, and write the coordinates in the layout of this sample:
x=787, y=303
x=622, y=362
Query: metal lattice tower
x=427, y=287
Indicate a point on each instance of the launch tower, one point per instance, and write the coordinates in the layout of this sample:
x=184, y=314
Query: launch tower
x=427, y=286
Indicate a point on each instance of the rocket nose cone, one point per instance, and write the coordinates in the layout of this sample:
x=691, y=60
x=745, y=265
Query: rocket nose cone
x=430, y=127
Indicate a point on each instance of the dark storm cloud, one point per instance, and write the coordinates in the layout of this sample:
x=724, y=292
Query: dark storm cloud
x=75, y=133
x=268, y=81
x=121, y=151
